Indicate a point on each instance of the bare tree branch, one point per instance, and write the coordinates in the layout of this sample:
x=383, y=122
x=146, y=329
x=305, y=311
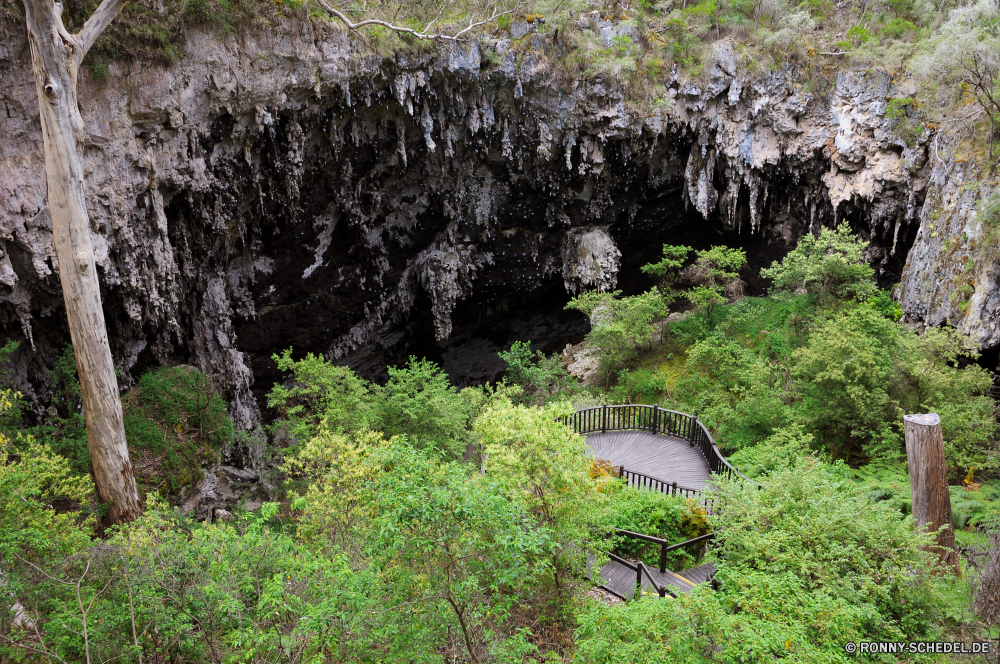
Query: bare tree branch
x=495, y=14
x=98, y=21
x=982, y=76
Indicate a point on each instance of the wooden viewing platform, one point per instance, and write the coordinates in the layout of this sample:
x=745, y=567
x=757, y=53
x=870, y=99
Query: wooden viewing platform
x=661, y=450
x=665, y=458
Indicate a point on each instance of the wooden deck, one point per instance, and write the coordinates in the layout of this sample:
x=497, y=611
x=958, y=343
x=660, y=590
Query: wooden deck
x=667, y=458
x=620, y=580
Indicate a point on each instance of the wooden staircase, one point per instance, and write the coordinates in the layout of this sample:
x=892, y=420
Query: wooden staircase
x=620, y=580
x=660, y=450
x=621, y=577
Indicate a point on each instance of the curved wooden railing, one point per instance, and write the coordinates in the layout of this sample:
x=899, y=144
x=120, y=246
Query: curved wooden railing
x=657, y=420
x=641, y=568
x=665, y=545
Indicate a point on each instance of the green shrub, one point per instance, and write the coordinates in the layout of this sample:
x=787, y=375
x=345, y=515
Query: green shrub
x=898, y=106
x=320, y=393
x=898, y=27
x=714, y=272
x=60, y=425
x=858, y=35
x=668, y=517
x=928, y=379
x=844, y=374
x=806, y=563
x=831, y=265
x=901, y=7
x=539, y=376
x=881, y=301
x=638, y=386
x=175, y=423
x=784, y=449
x=619, y=326
x=419, y=401
x=734, y=389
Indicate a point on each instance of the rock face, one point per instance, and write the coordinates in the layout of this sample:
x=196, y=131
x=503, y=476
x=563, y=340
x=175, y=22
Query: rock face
x=316, y=197
x=952, y=274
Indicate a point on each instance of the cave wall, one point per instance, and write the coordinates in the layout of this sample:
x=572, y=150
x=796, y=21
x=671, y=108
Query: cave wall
x=291, y=189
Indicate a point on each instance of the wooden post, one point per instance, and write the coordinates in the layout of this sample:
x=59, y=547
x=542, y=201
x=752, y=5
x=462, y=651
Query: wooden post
x=929, y=482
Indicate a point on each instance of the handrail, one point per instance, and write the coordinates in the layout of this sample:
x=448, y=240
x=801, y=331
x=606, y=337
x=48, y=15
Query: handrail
x=665, y=547
x=640, y=567
x=648, y=538
x=660, y=590
x=693, y=540
x=658, y=420
x=645, y=481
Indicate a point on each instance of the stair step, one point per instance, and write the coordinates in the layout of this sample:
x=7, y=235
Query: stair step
x=620, y=580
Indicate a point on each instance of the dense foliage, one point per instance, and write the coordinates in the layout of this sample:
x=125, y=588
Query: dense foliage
x=421, y=523
x=175, y=423
x=806, y=564
x=417, y=400
x=824, y=358
x=175, y=420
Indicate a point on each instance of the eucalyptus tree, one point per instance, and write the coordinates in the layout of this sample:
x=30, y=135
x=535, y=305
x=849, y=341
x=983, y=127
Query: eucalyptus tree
x=56, y=57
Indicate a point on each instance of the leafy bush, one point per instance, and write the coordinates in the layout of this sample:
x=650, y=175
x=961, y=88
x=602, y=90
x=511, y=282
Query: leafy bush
x=806, y=563
x=845, y=370
x=712, y=276
x=928, y=379
x=175, y=422
x=843, y=375
x=858, y=35
x=812, y=523
x=734, y=389
x=61, y=425
x=619, y=326
x=898, y=27
x=548, y=464
x=672, y=518
x=537, y=375
x=320, y=392
x=784, y=449
x=418, y=400
x=881, y=301
x=638, y=386
x=831, y=265
x=31, y=481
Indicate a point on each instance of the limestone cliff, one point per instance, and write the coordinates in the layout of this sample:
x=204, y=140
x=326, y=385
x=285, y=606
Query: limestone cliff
x=952, y=274
x=292, y=189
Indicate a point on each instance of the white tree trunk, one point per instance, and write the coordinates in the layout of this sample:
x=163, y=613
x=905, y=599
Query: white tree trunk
x=56, y=56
